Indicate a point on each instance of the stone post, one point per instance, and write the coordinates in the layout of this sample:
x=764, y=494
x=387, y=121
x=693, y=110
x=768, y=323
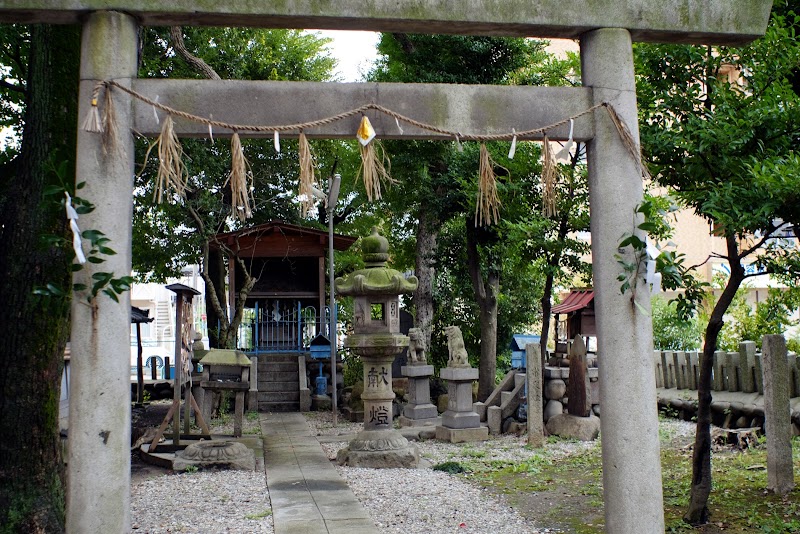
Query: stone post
x=252, y=394
x=533, y=357
x=747, y=358
x=419, y=411
x=778, y=425
x=460, y=422
x=98, y=475
x=631, y=474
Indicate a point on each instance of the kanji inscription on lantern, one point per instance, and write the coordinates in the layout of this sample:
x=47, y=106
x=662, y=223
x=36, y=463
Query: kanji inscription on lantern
x=376, y=378
x=379, y=415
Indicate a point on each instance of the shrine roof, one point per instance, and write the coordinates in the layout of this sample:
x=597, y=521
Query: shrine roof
x=577, y=299
x=283, y=235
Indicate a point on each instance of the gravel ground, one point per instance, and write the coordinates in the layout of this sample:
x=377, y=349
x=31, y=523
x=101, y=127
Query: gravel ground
x=204, y=502
x=424, y=501
x=405, y=501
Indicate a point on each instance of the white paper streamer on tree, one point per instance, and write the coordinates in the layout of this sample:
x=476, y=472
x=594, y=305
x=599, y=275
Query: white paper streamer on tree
x=652, y=279
x=72, y=215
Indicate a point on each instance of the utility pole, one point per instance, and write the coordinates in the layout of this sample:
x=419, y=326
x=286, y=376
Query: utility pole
x=333, y=196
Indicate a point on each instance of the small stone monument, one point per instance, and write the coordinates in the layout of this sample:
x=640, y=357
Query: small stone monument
x=580, y=423
x=778, y=424
x=460, y=422
x=377, y=340
x=419, y=411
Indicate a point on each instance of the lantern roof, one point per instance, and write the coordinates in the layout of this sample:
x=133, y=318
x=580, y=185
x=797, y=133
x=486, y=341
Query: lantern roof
x=376, y=278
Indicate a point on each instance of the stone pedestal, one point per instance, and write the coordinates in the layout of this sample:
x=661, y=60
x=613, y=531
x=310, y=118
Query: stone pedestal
x=460, y=422
x=379, y=445
x=419, y=411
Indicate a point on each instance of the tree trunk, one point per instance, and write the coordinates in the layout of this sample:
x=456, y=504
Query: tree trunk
x=425, y=250
x=36, y=328
x=486, y=296
x=216, y=272
x=553, y=262
x=697, y=514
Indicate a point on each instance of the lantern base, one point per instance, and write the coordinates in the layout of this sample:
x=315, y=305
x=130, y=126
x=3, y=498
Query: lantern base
x=379, y=449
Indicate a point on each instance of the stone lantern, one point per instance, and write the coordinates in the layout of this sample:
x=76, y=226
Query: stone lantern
x=377, y=340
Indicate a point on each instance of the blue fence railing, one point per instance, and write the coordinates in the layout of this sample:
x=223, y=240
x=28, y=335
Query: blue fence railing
x=281, y=326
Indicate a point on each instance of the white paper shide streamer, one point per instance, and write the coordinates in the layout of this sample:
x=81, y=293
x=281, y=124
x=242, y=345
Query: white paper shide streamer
x=72, y=215
x=564, y=153
x=653, y=279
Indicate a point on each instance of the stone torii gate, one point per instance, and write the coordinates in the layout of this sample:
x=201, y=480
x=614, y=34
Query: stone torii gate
x=99, y=468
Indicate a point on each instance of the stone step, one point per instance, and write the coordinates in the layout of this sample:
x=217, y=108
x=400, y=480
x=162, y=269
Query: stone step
x=278, y=376
x=278, y=367
x=279, y=357
x=278, y=396
x=519, y=379
x=279, y=406
x=278, y=386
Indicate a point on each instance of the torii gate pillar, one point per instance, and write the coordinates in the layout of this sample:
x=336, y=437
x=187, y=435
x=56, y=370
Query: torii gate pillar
x=98, y=478
x=631, y=461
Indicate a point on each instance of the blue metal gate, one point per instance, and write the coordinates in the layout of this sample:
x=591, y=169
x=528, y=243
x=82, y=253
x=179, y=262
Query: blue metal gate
x=281, y=325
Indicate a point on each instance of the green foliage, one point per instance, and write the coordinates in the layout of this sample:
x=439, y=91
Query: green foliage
x=725, y=146
x=104, y=282
x=260, y=515
x=352, y=369
x=670, y=330
x=745, y=322
x=437, y=182
x=451, y=468
x=171, y=235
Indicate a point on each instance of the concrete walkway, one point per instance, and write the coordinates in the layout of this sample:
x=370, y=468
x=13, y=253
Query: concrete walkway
x=308, y=495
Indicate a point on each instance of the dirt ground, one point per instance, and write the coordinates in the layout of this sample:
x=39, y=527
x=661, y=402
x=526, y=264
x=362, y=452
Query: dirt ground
x=142, y=419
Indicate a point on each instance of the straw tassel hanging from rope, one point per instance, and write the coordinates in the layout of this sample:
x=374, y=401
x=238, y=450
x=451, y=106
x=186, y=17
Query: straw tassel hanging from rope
x=107, y=124
x=549, y=177
x=171, y=170
x=627, y=140
x=241, y=180
x=307, y=177
x=487, y=209
x=374, y=163
x=92, y=121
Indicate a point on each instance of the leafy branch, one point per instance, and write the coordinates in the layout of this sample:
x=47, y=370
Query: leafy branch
x=104, y=282
x=669, y=264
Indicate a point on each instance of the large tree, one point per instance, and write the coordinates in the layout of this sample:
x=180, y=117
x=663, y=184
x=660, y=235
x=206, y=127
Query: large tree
x=429, y=188
x=174, y=234
x=38, y=91
x=720, y=127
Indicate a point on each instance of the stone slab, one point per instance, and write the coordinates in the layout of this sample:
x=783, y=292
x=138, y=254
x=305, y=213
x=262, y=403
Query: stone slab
x=406, y=457
x=459, y=374
x=420, y=411
x=494, y=419
x=452, y=419
x=480, y=409
x=406, y=422
x=414, y=371
x=462, y=435
x=570, y=426
x=683, y=21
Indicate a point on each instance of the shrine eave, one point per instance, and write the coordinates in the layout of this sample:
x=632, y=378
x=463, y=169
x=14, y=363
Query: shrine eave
x=669, y=21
